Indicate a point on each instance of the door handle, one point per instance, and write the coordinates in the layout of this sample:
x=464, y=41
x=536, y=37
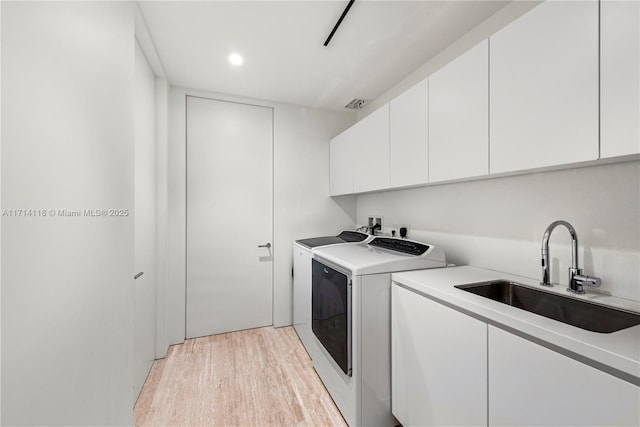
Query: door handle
x=268, y=245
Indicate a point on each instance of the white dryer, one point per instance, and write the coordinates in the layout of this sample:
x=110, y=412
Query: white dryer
x=302, y=254
x=351, y=321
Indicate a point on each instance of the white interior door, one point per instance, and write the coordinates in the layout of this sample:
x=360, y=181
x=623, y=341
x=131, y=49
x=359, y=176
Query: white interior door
x=229, y=216
x=145, y=223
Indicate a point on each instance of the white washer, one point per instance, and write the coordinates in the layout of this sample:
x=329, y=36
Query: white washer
x=351, y=321
x=302, y=254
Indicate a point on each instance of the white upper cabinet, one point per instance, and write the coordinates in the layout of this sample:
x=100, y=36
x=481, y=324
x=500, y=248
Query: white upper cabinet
x=359, y=156
x=408, y=153
x=560, y=85
x=544, y=88
x=619, y=78
x=371, y=156
x=341, y=153
x=459, y=117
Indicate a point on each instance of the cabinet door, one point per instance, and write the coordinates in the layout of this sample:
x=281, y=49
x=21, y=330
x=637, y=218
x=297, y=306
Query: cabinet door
x=408, y=155
x=341, y=152
x=534, y=386
x=371, y=157
x=438, y=363
x=302, y=297
x=544, y=88
x=619, y=78
x=459, y=117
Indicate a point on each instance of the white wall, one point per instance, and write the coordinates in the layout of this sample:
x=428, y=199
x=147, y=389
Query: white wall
x=161, y=95
x=302, y=207
x=67, y=282
x=498, y=223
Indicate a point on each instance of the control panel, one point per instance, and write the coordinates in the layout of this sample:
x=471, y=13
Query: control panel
x=405, y=246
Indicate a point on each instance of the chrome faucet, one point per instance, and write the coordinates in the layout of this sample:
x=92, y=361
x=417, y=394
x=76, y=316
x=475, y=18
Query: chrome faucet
x=377, y=227
x=576, y=278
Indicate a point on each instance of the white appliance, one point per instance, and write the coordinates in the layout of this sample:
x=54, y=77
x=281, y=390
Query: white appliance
x=351, y=321
x=302, y=254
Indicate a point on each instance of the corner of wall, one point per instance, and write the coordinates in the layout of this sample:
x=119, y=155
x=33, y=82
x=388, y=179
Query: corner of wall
x=176, y=176
x=1, y=38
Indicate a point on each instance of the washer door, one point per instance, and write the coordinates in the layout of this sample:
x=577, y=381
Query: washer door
x=331, y=312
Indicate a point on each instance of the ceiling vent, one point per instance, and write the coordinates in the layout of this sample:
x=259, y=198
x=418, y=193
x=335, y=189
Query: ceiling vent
x=356, y=104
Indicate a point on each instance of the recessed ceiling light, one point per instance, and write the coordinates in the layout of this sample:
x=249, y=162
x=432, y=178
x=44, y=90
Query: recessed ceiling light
x=236, y=59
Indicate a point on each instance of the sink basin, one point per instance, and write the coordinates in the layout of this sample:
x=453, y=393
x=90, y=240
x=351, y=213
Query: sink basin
x=582, y=314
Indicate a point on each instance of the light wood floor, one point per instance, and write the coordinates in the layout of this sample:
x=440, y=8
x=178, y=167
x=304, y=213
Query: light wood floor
x=259, y=377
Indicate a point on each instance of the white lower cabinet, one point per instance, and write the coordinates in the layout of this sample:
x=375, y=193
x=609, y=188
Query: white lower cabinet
x=439, y=363
x=449, y=368
x=530, y=385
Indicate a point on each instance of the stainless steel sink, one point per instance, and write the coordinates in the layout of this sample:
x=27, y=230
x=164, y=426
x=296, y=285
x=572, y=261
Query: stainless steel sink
x=583, y=314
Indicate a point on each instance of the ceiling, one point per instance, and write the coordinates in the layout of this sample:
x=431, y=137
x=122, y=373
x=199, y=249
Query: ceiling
x=378, y=44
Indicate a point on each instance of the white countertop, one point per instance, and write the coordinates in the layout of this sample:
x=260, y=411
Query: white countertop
x=618, y=350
